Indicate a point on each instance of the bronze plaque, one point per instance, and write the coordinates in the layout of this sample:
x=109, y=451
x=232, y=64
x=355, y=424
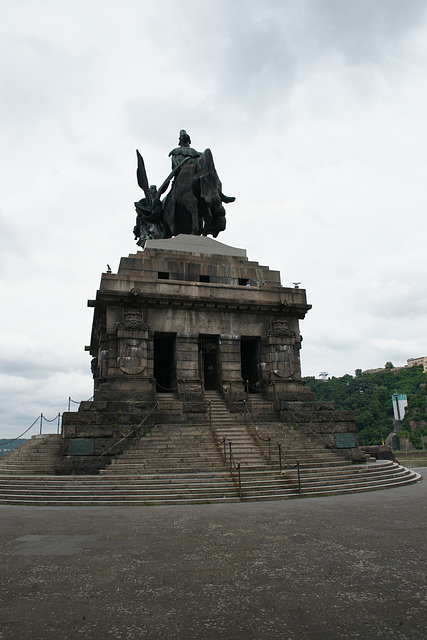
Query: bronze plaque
x=81, y=447
x=345, y=440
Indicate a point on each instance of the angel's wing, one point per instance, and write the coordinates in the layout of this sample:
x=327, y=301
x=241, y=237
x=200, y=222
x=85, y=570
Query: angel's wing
x=141, y=174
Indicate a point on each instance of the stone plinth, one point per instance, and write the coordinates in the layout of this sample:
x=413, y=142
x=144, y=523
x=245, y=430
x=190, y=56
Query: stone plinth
x=192, y=309
x=186, y=315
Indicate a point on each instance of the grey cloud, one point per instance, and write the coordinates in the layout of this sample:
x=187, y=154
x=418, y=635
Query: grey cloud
x=40, y=79
x=364, y=30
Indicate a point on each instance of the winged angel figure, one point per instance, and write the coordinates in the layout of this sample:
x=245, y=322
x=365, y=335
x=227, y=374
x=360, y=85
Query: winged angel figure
x=194, y=202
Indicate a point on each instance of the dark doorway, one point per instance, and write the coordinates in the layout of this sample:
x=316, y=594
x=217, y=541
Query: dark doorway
x=208, y=350
x=165, y=362
x=251, y=362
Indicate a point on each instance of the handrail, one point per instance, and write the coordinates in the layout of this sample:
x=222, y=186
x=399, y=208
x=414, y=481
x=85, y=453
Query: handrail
x=254, y=432
x=130, y=432
x=236, y=465
x=289, y=465
x=214, y=432
x=223, y=450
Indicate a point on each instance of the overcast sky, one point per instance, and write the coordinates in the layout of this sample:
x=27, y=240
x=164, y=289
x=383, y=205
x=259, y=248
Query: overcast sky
x=315, y=111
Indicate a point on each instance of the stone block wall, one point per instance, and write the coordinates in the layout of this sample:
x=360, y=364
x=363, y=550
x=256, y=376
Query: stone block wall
x=321, y=422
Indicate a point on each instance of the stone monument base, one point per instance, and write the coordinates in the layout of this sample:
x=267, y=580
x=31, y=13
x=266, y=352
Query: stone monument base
x=185, y=316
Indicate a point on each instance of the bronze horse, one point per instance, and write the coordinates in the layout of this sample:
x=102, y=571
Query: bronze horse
x=194, y=203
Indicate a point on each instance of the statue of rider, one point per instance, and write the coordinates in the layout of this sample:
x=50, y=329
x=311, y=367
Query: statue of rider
x=184, y=151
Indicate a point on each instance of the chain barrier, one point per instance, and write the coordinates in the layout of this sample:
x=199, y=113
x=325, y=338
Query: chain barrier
x=131, y=432
x=167, y=388
x=22, y=434
x=53, y=419
x=39, y=418
x=180, y=385
x=325, y=442
x=255, y=388
x=70, y=400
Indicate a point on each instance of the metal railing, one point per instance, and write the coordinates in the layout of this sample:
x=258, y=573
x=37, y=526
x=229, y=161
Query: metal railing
x=253, y=430
x=290, y=466
x=229, y=460
x=232, y=463
x=259, y=439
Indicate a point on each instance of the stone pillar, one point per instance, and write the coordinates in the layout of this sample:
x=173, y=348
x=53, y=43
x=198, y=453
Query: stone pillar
x=187, y=366
x=132, y=339
x=280, y=361
x=230, y=367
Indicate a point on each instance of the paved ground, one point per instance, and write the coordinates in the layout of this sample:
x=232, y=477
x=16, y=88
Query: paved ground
x=319, y=569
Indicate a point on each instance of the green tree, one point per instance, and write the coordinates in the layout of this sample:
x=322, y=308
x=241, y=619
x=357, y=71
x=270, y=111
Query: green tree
x=369, y=396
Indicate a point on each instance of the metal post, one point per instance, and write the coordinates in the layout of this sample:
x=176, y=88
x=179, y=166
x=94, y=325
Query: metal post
x=247, y=389
x=280, y=456
x=210, y=414
x=246, y=415
x=41, y=423
x=299, y=478
x=225, y=450
x=231, y=461
x=240, y=480
x=269, y=451
x=69, y=403
x=59, y=418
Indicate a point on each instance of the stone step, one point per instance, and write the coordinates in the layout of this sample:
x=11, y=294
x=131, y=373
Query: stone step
x=272, y=492
x=183, y=464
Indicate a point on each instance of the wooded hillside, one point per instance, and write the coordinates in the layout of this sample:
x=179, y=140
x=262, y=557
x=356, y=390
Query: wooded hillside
x=369, y=396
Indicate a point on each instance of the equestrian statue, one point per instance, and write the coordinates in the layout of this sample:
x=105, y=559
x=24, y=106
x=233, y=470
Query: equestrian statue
x=194, y=203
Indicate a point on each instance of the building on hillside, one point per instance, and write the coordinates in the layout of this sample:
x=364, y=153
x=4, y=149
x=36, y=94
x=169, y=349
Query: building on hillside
x=412, y=362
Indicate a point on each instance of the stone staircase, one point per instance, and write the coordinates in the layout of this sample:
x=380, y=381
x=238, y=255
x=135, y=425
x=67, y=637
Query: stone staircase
x=186, y=464
x=38, y=455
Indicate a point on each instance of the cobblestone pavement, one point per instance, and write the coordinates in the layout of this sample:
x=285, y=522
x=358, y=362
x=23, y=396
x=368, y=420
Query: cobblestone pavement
x=334, y=568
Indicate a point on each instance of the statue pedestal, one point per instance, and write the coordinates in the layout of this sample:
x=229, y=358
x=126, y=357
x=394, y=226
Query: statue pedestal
x=186, y=315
